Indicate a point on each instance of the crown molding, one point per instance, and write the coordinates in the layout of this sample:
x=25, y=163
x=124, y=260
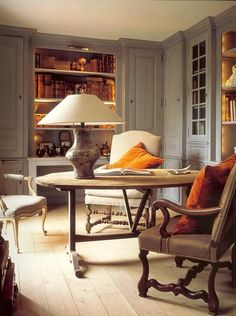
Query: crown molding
x=226, y=16
x=141, y=44
x=16, y=31
x=46, y=40
x=173, y=40
x=200, y=27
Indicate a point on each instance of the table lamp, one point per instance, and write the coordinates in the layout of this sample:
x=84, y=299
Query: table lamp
x=82, y=111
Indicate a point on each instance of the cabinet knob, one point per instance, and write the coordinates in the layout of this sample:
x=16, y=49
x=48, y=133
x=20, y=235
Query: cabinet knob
x=131, y=101
x=20, y=96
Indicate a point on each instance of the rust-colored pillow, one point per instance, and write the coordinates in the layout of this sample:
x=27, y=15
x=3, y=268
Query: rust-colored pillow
x=206, y=192
x=137, y=157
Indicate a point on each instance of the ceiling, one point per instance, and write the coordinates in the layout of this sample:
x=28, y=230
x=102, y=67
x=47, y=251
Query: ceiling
x=109, y=19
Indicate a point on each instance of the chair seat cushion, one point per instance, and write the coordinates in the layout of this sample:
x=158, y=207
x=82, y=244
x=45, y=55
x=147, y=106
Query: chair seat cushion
x=21, y=204
x=194, y=246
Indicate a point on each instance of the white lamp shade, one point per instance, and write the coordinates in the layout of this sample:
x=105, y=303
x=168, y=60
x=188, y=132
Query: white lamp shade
x=81, y=108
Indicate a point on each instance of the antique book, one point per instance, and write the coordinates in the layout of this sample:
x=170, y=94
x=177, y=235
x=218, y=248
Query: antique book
x=122, y=172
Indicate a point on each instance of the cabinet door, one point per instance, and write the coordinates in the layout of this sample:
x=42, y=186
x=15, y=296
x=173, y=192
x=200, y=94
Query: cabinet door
x=198, y=99
x=173, y=101
x=11, y=96
x=144, y=108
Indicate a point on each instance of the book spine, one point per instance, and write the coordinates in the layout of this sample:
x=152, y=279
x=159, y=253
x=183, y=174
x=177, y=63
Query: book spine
x=48, y=79
x=41, y=86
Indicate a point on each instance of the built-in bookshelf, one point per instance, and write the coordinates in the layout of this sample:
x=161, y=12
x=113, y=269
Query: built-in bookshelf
x=58, y=73
x=228, y=92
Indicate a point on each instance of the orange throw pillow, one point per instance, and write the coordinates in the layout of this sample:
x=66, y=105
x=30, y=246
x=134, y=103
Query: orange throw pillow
x=137, y=157
x=206, y=192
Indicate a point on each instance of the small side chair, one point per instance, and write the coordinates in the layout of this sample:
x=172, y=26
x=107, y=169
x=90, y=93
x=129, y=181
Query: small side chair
x=202, y=249
x=14, y=207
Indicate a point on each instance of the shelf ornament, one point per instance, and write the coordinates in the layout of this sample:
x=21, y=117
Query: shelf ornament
x=232, y=79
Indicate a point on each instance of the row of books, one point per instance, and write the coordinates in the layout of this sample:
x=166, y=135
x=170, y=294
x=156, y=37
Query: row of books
x=230, y=108
x=48, y=87
x=105, y=63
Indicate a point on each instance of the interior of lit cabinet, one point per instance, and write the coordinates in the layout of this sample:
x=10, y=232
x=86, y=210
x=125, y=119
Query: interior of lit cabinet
x=228, y=93
x=58, y=73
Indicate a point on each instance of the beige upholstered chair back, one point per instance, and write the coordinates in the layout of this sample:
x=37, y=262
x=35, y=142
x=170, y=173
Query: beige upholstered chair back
x=223, y=232
x=121, y=143
x=2, y=182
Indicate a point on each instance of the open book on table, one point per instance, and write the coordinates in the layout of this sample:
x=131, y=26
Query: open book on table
x=179, y=171
x=119, y=172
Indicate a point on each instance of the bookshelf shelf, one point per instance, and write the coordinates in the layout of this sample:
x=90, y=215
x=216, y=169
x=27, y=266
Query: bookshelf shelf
x=74, y=72
x=228, y=123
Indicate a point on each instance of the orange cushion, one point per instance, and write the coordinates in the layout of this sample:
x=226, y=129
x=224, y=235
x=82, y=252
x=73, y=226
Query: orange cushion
x=206, y=192
x=137, y=157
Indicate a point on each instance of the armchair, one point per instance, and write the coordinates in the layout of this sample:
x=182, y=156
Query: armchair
x=121, y=143
x=14, y=207
x=203, y=249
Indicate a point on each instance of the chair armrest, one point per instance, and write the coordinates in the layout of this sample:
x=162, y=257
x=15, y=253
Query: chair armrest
x=164, y=205
x=20, y=177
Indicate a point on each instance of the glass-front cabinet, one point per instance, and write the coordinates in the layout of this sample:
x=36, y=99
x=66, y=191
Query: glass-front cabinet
x=198, y=89
x=200, y=97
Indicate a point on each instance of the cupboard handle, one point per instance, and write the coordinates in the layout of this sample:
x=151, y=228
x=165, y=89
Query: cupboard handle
x=131, y=101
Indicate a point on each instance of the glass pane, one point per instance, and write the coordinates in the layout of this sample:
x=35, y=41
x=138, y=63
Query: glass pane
x=195, y=82
x=202, y=95
x=202, y=63
x=202, y=48
x=202, y=80
x=195, y=66
x=202, y=128
x=195, y=51
x=195, y=113
x=195, y=97
x=202, y=112
x=195, y=128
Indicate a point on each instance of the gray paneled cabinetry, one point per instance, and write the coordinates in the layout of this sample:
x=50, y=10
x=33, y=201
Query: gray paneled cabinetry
x=14, y=89
x=11, y=96
x=200, y=84
x=174, y=122
x=142, y=85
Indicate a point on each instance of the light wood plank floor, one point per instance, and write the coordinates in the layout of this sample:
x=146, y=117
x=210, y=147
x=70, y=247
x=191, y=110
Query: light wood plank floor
x=48, y=286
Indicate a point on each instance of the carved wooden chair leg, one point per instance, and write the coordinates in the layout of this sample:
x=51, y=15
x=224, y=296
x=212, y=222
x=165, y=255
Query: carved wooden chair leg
x=213, y=301
x=44, y=214
x=145, y=215
x=15, y=223
x=142, y=285
x=179, y=261
x=233, y=257
x=88, y=225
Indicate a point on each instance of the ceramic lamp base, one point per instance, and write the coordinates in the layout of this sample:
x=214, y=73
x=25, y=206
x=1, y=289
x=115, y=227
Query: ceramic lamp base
x=83, y=154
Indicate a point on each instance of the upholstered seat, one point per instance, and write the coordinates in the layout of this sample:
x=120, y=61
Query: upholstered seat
x=201, y=248
x=14, y=207
x=121, y=143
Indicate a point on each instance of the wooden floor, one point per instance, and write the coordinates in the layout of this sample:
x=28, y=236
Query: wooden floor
x=48, y=286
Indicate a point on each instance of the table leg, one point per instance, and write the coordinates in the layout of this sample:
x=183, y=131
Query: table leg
x=72, y=233
x=140, y=209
